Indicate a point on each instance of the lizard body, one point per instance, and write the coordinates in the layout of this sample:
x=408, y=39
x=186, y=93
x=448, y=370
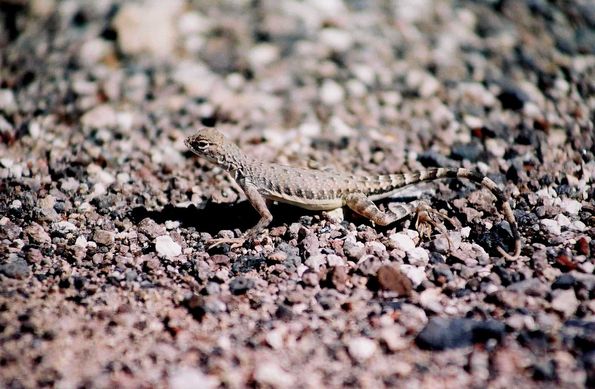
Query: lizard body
x=324, y=190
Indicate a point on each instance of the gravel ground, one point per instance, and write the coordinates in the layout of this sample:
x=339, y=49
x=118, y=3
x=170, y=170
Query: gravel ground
x=106, y=278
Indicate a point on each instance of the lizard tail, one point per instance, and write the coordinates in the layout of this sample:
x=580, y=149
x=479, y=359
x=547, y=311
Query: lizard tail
x=501, y=201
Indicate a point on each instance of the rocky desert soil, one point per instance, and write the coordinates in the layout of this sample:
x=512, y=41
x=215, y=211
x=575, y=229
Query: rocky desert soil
x=106, y=276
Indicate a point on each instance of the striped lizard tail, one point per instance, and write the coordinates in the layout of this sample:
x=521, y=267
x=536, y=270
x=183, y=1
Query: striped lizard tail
x=400, y=180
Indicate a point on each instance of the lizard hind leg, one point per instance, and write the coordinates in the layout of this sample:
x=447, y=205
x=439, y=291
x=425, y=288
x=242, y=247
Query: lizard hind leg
x=362, y=205
x=427, y=218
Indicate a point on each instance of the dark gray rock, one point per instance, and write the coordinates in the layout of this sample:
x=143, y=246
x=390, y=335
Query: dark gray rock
x=16, y=268
x=442, y=334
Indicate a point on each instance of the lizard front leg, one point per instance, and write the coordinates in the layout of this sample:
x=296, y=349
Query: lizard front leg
x=259, y=203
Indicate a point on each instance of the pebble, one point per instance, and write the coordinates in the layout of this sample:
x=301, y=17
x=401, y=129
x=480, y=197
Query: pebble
x=64, y=227
x=430, y=299
x=314, y=262
x=69, y=184
x=148, y=27
x=310, y=244
x=101, y=116
x=94, y=50
x=103, y=237
x=262, y=55
x=277, y=256
x=15, y=268
x=310, y=278
x=393, y=339
x=368, y=265
x=442, y=273
x=336, y=39
x=418, y=256
x=565, y=302
x=331, y=93
x=513, y=98
x=193, y=22
x=570, y=206
x=167, y=247
x=361, y=348
x=335, y=260
x=353, y=250
x=442, y=334
x=339, y=277
x=392, y=279
x=565, y=281
x=240, y=285
x=552, y=226
x=37, y=233
x=150, y=228
x=190, y=378
x=270, y=374
x=402, y=241
x=417, y=275
x=8, y=103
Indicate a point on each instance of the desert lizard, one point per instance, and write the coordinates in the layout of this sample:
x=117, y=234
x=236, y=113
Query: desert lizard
x=324, y=190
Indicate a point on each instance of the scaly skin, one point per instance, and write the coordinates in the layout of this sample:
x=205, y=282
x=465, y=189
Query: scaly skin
x=324, y=190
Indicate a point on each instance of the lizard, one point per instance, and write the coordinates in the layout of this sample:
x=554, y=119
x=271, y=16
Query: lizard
x=326, y=190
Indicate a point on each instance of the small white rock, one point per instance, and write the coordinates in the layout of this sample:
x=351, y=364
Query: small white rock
x=193, y=22
x=274, y=338
x=65, y=227
x=402, y=241
x=565, y=301
x=94, y=50
x=172, y=224
x=473, y=121
x=336, y=39
x=165, y=246
x=315, y=261
x=393, y=339
x=69, y=184
x=189, y=378
x=430, y=299
x=562, y=220
x=361, y=348
x=578, y=225
x=263, y=54
x=335, y=260
x=331, y=93
x=269, y=373
x=148, y=27
x=418, y=256
x=552, y=226
x=336, y=215
x=416, y=274
x=101, y=116
x=81, y=241
x=8, y=103
x=571, y=206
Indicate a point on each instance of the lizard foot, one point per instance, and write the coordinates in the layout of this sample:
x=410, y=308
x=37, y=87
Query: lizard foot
x=428, y=219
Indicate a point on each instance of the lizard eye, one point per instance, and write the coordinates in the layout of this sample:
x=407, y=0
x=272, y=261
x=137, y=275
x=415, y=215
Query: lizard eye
x=201, y=144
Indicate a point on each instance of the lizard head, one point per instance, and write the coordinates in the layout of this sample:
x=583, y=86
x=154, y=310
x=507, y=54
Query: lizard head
x=213, y=146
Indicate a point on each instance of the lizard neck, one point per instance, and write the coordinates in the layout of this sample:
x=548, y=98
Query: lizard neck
x=233, y=159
